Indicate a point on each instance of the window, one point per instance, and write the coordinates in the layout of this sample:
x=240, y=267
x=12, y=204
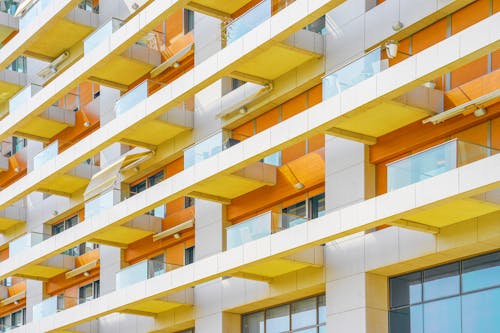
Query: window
x=188, y=20
x=317, y=26
x=89, y=292
x=90, y=6
x=157, y=265
x=307, y=315
x=159, y=211
x=293, y=215
x=461, y=297
x=235, y=83
x=18, y=65
x=64, y=225
x=18, y=318
x=7, y=282
x=18, y=144
x=317, y=206
x=188, y=202
x=189, y=255
x=9, y=6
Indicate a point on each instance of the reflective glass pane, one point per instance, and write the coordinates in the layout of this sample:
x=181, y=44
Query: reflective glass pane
x=406, y=289
x=308, y=330
x=442, y=316
x=481, y=272
x=304, y=313
x=441, y=281
x=481, y=312
x=322, y=329
x=278, y=319
x=406, y=320
x=321, y=309
x=253, y=323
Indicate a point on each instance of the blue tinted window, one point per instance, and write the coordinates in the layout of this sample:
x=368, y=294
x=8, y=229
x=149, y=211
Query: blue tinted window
x=442, y=316
x=481, y=272
x=441, y=281
x=481, y=312
x=406, y=289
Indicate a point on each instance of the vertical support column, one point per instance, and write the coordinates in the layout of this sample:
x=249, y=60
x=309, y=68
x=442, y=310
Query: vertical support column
x=209, y=216
x=356, y=301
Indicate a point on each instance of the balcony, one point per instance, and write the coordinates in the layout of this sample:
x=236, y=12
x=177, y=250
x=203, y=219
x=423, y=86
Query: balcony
x=124, y=69
x=53, y=305
x=52, y=121
x=423, y=166
x=279, y=59
x=11, y=83
x=248, y=21
x=121, y=235
x=45, y=270
x=8, y=23
x=66, y=184
x=264, y=225
x=260, y=226
x=224, y=187
x=63, y=36
x=389, y=114
x=434, y=161
x=13, y=215
x=142, y=271
x=154, y=132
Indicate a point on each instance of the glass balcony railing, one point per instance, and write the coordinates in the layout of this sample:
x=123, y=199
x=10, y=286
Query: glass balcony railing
x=53, y=305
x=248, y=21
x=260, y=226
x=142, y=271
x=136, y=95
x=35, y=10
x=9, y=7
x=25, y=242
x=101, y=34
x=353, y=73
x=23, y=96
x=208, y=147
x=46, y=155
x=434, y=161
x=100, y=203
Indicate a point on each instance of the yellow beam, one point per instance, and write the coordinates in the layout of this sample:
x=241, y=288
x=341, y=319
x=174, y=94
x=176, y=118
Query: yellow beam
x=250, y=78
x=416, y=226
x=138, y=144
x=208, y=11
x=250, y=276
x=32, y=137
x=209, y=197
x=342, y=133
x=111, y=84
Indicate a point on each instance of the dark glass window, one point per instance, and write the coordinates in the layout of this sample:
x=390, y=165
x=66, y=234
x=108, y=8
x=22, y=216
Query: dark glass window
x=307, y=315
x=89, y=292
x=460, y=297
x=188, y=20
x=317, y=206
x=159, y=211
x=18, y=144
x=189, y=255
x=188, y=202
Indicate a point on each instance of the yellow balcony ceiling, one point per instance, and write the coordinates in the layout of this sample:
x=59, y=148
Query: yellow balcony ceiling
x=217, y=8
x=40, y=272
x=7, y=90
x=120, y=236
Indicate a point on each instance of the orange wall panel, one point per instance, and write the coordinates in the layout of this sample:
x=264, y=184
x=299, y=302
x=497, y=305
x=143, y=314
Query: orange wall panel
x=495, y=133
x=315, y=95
x=469, y=15
x=495, y=60
x=244, y=131
x=294, y=106
x=175, y=167
x=175, y=24
x=316, y=142
x=477, y=134
x=267, y=120
x=291, y=153
x=469, y=72
x=429, y=36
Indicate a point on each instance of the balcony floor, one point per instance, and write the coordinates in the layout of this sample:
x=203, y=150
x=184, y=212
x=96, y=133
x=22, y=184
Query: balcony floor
x=59, y=38
x=7, y=90
x=120, y=236
x=276, y=61
x=42, y=129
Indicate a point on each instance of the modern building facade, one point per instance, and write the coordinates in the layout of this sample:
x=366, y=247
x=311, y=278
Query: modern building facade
x=250, y=166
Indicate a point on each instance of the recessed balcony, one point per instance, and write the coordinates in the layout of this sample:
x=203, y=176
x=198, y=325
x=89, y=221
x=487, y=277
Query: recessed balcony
x=281, y=58
x=438, y=160
x=124, y=69
x=387, y=115
x=66, y=184
x=8, y=23
x=61, y=36
x=153, y=132
x=260, y=226
x=52, y=121
x=45, y=270
x=225, y=187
